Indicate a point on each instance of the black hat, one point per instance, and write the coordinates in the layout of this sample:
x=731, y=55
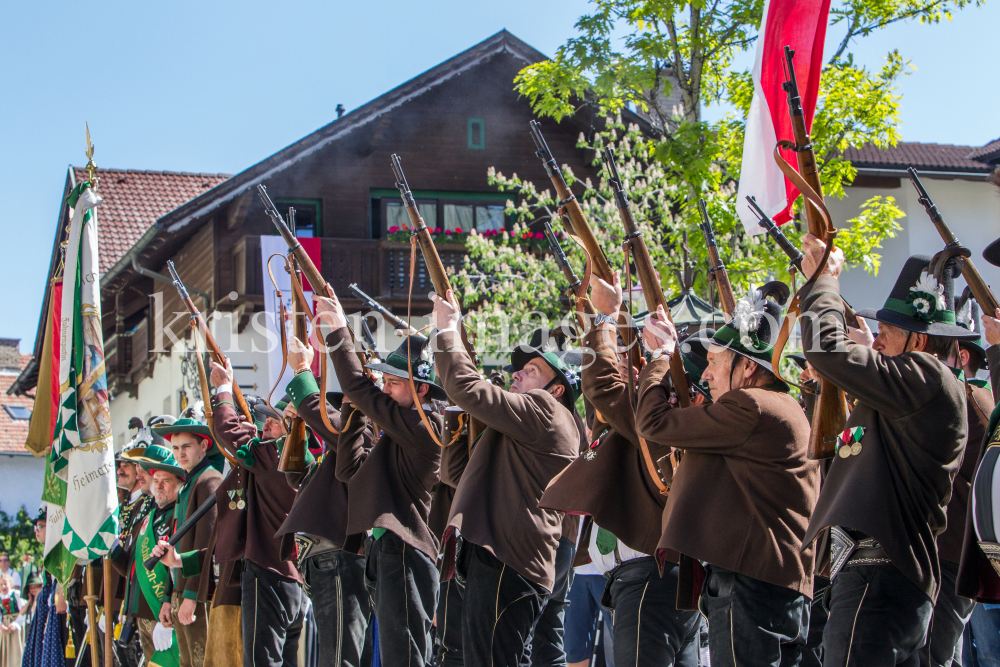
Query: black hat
x=992, y=253
x=922, y=302
x=260, y=409
x=335, y=398
x=43, y=514
x=397, y=365
x=798, y=358
x=753, y=329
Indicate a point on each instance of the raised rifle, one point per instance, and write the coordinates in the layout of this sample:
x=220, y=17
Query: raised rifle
x=580, y=228
x=184, y=528
x=772, y=229
x=647, y=273
x=576, y=291
x=213, y=348
x=293, y=452
x=830, y=414
x=371, y=304
x=316, y=281
x=717, y=268
x=984, y=295
x=421, y=236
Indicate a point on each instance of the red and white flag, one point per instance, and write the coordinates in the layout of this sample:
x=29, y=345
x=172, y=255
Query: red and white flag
x=800, y=24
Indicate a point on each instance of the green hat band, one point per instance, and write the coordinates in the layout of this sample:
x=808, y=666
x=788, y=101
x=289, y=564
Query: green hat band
x=729, y=337
x=921, y=306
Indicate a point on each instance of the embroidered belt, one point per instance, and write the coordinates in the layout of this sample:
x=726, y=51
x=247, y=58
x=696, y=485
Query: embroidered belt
x=848, y=551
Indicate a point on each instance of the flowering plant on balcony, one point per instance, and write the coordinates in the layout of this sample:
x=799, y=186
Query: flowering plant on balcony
x=438, y=235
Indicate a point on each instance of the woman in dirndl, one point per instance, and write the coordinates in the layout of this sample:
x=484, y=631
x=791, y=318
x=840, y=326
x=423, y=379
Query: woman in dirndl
x=11, y=623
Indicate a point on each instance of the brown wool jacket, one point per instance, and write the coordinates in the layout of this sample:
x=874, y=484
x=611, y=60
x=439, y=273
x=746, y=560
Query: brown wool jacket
x=528, y=440
x=206, y=484
x=913, y=410
x=390, y=483
x=743, y=493
x=321, y=504
x=614, y=486
x=249, y=533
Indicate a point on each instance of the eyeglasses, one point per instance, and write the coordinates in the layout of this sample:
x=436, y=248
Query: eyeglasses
x=4, y=560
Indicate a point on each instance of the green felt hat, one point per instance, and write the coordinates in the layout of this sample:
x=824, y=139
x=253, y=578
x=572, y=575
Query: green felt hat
x=753, y=329
x=194, y=426
x=567, y=374
x=921, y=303
x=414, y=351
x=157, y=457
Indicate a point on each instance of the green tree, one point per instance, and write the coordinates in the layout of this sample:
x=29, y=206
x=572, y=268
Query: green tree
x=635, y=54
x=17, y=537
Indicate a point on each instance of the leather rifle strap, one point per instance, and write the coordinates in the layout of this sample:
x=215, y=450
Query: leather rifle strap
x=203, y=379
x=409, y=357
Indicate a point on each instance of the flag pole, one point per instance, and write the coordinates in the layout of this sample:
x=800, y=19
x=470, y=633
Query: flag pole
x=109, y=623
x=91, y=599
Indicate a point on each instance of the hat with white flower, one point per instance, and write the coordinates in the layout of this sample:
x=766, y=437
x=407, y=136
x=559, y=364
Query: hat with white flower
x=922, y=302
x=753, y=329
x=567, y=373
x=397, y=365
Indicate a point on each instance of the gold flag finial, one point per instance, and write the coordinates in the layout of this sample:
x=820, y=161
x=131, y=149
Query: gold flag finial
x=91, y=165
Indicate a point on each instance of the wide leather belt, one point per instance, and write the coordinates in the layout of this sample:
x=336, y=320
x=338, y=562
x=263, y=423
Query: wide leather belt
x=850, y=549
x=313, y=546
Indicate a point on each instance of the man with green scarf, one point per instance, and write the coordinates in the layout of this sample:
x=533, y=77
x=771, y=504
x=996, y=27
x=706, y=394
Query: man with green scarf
x=196, y=452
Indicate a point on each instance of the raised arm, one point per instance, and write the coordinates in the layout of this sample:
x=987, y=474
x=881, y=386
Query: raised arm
x=603, y=385
x=721, y=427
x=353, y=444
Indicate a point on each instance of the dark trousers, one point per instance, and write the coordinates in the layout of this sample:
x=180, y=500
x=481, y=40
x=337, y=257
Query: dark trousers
x=877, y=617
x=547, y=638
x=449, y=623
x=406, y=583
x=648, y=628
x=752, y=622
x=501, y=608
x=272, y=615
x=582, y=617
x=951, y=613
x=812, y=656
x=335, y=582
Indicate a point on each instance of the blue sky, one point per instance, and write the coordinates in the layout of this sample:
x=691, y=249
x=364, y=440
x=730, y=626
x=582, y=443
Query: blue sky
x=217, y=86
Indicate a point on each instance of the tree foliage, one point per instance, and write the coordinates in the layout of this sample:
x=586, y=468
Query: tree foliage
x=632, y=54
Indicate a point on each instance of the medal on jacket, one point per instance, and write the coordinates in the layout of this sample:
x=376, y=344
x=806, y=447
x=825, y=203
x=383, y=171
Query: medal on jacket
x=240, y=504
x=232, y=499
x=591, y=452
x=849, y=442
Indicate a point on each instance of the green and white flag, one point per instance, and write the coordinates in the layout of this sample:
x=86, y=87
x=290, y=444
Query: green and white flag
x=82, y=452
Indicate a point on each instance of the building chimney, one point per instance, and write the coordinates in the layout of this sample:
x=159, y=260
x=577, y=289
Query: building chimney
x=340, y=111
x=10, y=355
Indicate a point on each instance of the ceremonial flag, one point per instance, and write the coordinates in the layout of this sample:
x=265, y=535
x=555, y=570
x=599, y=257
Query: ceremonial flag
x=800, y=24
x=44, y=410
x=82, y=454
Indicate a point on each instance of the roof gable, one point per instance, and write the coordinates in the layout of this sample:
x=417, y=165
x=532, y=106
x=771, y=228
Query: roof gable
x=941, y=157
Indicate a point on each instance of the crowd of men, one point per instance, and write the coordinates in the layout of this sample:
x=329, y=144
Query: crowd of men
x=415, y=545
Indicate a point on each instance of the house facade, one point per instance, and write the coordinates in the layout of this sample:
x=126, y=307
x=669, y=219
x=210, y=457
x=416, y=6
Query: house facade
x=21, y=474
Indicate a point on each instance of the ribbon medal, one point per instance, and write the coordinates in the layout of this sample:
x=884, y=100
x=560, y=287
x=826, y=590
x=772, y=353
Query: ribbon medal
x=849, y=442
x=232, y=499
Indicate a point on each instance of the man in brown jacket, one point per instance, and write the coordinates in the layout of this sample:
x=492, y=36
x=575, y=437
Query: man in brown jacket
x=886, y=493
x=257, y=500
x=743, y=493
x=612, y=483
x=333, y=574
x=191, y=442
x=509, y=544
x=389, y=486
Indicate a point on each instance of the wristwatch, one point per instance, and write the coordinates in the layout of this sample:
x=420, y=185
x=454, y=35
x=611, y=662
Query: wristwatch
x=659, y=352
x=601, y=318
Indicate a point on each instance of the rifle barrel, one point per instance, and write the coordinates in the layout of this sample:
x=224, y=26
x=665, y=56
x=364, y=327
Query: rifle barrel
x=396, y=322
x=184, y=529
x=786, y=246
x=718, y=268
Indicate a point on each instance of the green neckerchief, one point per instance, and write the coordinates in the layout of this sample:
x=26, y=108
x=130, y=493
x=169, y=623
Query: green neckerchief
x=976, y=382
x=184, y=495
x=959, y=373
x=377, y=533
x=605, y=541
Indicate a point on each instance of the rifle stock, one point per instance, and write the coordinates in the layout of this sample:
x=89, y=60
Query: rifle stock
x=717, y=270
x=647, y=274
x=293, y=453
x=830, y=413
x=984, y=295
x=580, y=228
x=213, y=348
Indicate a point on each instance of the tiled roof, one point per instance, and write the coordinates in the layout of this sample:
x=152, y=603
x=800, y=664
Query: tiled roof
x=135, y=199
x=987, y=152
x=940, y=157
x=13, y=432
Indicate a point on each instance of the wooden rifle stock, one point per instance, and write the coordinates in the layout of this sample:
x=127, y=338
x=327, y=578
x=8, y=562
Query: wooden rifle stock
x=576, y=290
x=213, y=348
x=647, y=274
x=293, y=453
x=984, y=295
x=580, y=228
x=717, y=270
x=830, y=413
